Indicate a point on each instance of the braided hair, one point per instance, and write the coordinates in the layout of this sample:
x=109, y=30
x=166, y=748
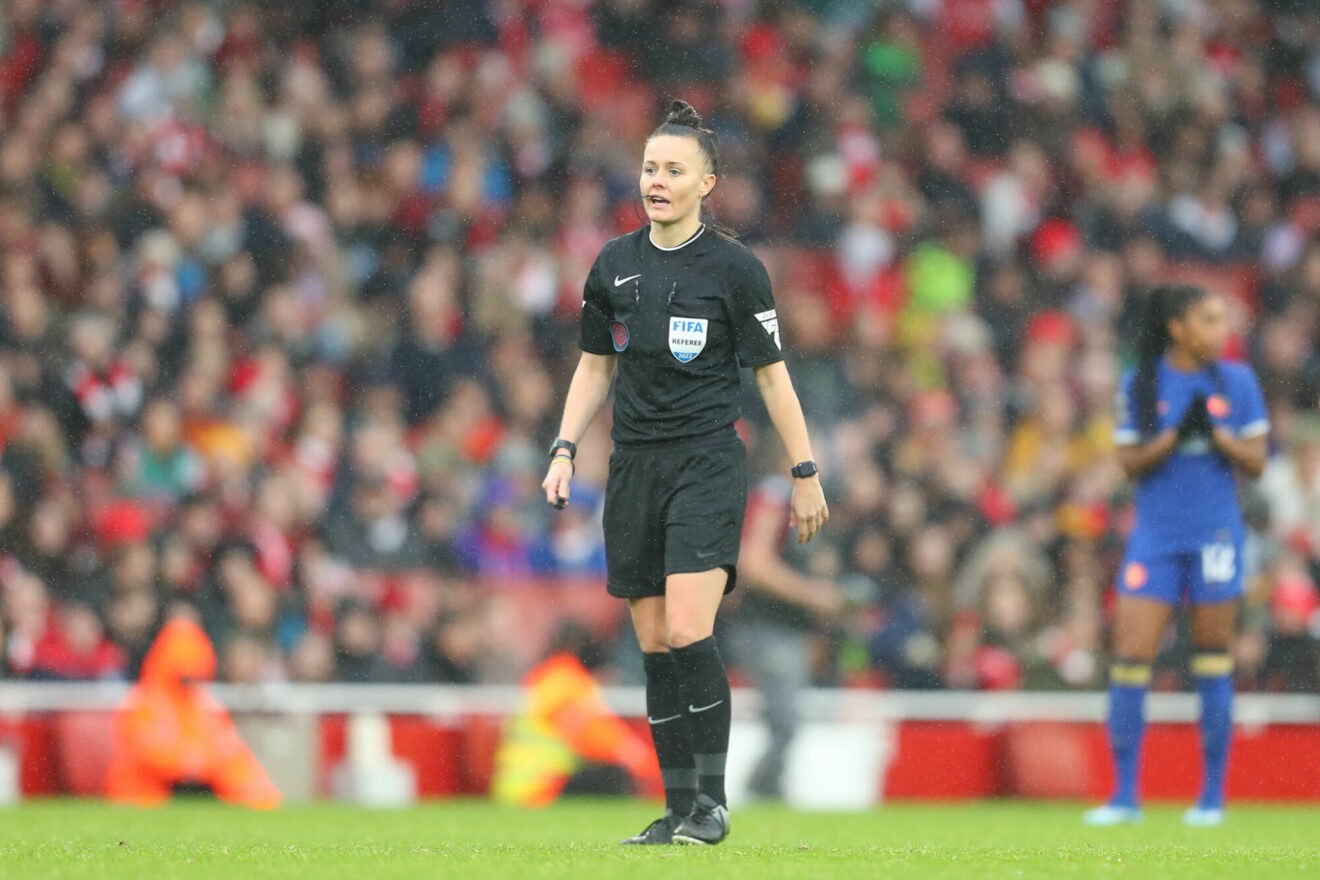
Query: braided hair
x=683, y=120
x=1166, y=303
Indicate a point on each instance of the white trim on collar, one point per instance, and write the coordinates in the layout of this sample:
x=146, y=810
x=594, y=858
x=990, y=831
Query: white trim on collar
x=696, y=235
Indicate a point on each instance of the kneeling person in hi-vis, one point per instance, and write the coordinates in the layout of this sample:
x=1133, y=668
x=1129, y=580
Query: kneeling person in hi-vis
x=170, y=732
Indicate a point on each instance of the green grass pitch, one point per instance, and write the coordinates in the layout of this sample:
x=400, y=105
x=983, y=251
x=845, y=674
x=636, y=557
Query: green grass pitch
x=578, y=839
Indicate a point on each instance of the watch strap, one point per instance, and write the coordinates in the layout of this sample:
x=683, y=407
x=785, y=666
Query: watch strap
x=567, y=445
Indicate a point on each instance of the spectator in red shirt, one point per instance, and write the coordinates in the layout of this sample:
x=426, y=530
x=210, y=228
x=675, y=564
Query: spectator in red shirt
x=75, y=647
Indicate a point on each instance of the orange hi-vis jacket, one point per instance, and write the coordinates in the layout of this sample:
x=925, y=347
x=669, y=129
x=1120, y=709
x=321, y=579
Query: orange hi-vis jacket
x=565, y=721
x=170, y=730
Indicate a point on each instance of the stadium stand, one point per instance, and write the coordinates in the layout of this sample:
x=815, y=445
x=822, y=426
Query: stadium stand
x=286, y=290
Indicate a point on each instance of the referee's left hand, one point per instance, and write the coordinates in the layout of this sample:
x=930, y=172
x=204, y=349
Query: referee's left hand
x=808, y=508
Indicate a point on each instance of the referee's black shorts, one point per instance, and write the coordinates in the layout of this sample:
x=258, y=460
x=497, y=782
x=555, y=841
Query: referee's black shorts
x=674, y=508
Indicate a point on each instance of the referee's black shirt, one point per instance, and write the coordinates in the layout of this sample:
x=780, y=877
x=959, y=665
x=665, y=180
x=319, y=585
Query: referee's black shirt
x=681, y=320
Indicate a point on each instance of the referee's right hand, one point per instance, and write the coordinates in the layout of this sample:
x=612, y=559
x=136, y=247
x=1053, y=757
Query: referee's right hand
x=556, y=482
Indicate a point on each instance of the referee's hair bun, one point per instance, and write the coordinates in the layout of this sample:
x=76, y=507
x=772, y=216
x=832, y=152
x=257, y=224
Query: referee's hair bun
x=683, y=113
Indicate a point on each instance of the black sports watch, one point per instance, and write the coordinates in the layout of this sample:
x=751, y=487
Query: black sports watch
x=561, y=443
x=805, y=469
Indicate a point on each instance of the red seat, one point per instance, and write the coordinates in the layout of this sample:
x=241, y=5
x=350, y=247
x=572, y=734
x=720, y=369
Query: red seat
x=1041, y=759
x=82, y=749
x=481, y=735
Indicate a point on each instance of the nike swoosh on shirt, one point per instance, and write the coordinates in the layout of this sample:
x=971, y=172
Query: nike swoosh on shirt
x=692, y=708
x=663, y=720
x=618, y=280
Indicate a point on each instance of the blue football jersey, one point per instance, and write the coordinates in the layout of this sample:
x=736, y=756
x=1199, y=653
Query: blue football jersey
x=1191, y=497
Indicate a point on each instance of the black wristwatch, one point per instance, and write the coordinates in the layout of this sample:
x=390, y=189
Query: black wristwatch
x=561, y=443
x=805, y=469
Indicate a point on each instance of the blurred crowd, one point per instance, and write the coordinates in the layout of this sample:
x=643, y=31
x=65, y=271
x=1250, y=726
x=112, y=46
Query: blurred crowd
x=289, y=299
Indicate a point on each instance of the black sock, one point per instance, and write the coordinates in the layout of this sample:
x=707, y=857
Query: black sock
x=705, y=686
x=669, y=732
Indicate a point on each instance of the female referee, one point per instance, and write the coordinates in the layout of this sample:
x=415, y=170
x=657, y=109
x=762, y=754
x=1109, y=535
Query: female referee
x=673, y=310
x=1187, y=420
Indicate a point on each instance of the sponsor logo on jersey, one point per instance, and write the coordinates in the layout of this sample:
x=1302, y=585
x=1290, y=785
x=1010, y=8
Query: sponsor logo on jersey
x=621, y=281
x=687, y=337
x=1218, y=406
x=620, y=335
x=770, y=321
x=1135, y=576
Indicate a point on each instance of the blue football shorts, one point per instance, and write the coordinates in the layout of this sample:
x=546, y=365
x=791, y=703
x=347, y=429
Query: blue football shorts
x=1205, y=576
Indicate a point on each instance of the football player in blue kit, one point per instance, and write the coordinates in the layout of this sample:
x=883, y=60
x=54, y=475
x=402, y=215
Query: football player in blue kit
x=1188, y=422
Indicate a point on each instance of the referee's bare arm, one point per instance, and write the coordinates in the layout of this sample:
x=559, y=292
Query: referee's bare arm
x=586, y=393
x=808, y=510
